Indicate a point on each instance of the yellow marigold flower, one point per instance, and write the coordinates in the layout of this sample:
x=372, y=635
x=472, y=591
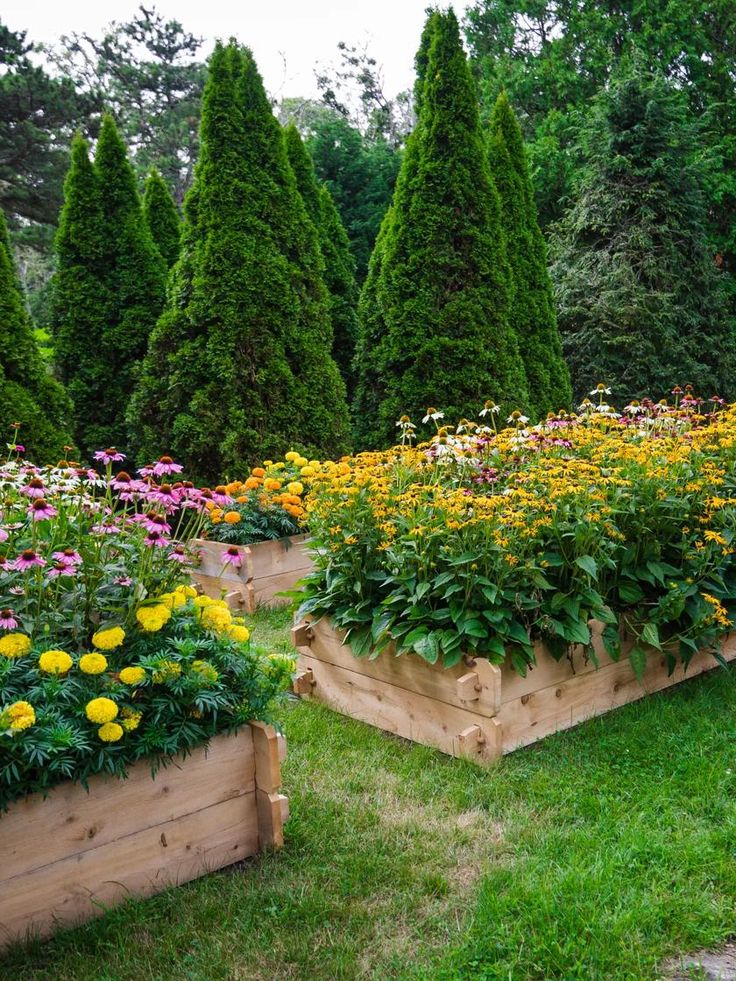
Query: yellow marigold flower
x=166, y=671
x=55, y=662
x=101, y=710
x=172, y=601
x=203, y=600
x=110, y=732
x=231, y=517
x=271, y=484
x=307, y=471
x=153, y=618
x=130, y=719
x=296, y=487
x=93, y=663
x=186, y=590
x=291, y=456
x=108, y=639
x=14, y=645
x=207, y=671
x=258, y=472
x=252, y=482
x=17, y=716
x=132, y=676
x=238, y=633
x=216, y=617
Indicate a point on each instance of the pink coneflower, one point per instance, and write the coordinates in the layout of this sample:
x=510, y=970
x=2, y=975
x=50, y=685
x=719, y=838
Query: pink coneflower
x=166, y=495
x=110, y=455
x=34, y=488
x=155, y=540
x=166, y=465
x=155, y=522
x=178, y=554
x=7, y=620
x=232, y=557
x=18, y=448
x=41, y=509
x=68, y=557
x=27, y=559
x=3, y=535
x=105, y=528
x=123, y=581
x=61, y=569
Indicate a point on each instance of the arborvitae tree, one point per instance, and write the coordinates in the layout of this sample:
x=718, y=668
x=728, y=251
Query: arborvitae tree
x=239, y=364
x=339, y=265
x=135, y=274
x=641, y=303
x=162, y=217
x=29, y=395
x=532, y=314
x=434, y=310
x=80, y=301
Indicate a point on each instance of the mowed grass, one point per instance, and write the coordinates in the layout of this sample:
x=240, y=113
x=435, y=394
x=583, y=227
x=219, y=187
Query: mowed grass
x=594, y=855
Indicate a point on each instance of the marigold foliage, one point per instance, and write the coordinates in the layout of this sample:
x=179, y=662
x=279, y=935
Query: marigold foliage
x=434, y=309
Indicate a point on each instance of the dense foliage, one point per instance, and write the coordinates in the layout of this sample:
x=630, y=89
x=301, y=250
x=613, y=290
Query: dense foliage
x=434, y=310
x=34, y=408
x=104, y=657
x=532, y=314
x=484, y=539
x=162, y=217
x=239, y=365
x=640, y=299
x=339, y=266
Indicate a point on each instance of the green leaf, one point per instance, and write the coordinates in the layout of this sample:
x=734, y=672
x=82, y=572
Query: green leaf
x=630, y=592
x=588, y=564
x=638, y=661
x=650, y=635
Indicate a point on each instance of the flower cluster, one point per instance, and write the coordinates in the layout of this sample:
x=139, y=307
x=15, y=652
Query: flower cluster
x=487, y=538
x=184, y=670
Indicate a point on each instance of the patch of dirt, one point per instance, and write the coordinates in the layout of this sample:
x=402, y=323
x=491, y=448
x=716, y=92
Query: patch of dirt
x=705, y=965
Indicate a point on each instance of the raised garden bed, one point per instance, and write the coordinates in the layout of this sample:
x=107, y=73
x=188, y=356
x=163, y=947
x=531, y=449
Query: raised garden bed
x=266, y=569
x=72, y=855
x=475, y=709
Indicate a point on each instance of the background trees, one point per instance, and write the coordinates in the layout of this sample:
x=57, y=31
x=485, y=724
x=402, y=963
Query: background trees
x=642, y=304
x=239, y=365
x=434, y=311
x=162, y=217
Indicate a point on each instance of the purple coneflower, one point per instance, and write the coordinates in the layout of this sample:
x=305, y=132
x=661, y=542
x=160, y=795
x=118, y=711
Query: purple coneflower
x=166, y=465
x=155, y=522
x=7, y=620
x=110, y=455
x=155, y=540
x=166, y=495
x=27, y=559
x=178, y=554
x=40, y=509
x=3, y=535
x=68, y=557
x=123, y=581
x=34, y=488
x=232, y=557
x=105, y=528
x=62, y=569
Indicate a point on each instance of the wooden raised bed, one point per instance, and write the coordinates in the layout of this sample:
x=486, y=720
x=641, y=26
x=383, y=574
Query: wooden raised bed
x=70, y=856
x=475, y=710
x=268, y=568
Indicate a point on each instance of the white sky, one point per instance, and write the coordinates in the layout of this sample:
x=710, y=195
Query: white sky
x=300, y=33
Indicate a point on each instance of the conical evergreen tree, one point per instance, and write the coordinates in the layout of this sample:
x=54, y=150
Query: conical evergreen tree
x=29, y=395
x=339, y=265
x=81, y=304
x=162, y=218
x=239, y=364
x=135, y=274
x=532, y=314
x=434, y=310
x=641, y=304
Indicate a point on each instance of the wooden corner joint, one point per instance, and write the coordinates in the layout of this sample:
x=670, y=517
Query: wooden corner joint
x=304, y=682
x=302, y=634
x=469, y=686
x=471, y=738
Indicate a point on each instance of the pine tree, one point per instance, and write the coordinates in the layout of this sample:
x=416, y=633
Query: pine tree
x=641, y=303
x=339, y=265
x=29, y=395
x=135, y=275
x=532, y=314
x=239, y=364
x=434, y=326
x=162, y=217
x=80, y=300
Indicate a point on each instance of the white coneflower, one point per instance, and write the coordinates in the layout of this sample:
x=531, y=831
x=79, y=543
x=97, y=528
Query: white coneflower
x=433, y=414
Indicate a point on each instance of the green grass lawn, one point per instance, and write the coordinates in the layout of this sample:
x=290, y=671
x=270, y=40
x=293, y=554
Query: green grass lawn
x=593, y=855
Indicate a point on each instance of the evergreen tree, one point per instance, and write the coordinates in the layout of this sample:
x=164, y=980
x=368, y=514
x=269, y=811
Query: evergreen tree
x=339, y=266
x=532, y=314
x=80, y=300
x=239, y=364
x=641, y=303
x=162, y=217
x=29, y=395
x=433, y=312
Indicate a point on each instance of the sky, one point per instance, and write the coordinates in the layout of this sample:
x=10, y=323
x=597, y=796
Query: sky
x=289, y=38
